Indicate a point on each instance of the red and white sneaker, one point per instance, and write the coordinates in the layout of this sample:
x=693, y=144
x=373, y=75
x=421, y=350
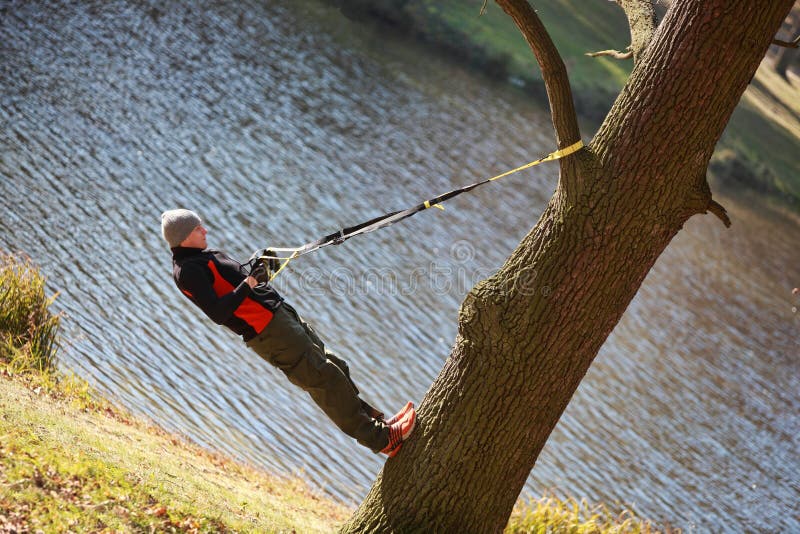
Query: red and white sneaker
x=399, y=415
x=399, y=432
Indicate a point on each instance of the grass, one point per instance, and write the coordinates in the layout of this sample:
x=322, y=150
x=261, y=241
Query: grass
x=28, y=330
x=66, y=468
x=550, y=515
x=71, y=462
x=765, y=131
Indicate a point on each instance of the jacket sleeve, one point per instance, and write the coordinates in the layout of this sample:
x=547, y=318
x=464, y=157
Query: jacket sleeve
x=195, y=282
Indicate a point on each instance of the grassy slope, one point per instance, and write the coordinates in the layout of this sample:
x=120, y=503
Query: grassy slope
x=573, y=27
x=764, y=131
x=63, y=467
x=765, y=128
x=66, y=466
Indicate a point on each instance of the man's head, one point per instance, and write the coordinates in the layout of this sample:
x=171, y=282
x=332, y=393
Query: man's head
x=183, y=228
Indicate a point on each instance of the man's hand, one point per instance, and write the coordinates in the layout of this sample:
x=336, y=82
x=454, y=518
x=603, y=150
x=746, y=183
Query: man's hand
x=270, y=257
x=272, y=262
x=259, y=272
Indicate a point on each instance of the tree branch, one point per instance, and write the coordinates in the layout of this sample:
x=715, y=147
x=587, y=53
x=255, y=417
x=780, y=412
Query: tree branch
x=642, y=21
x=717, y=209
x=554, y=73
x=788, y=44
x=616, y=54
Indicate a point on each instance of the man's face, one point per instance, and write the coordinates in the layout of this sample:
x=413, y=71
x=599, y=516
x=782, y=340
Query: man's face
x=197, y=239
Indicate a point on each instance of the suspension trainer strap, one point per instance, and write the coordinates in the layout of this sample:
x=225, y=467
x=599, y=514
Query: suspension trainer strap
x=382, y=221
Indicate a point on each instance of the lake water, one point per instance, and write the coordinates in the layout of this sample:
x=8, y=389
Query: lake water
x=279, y=122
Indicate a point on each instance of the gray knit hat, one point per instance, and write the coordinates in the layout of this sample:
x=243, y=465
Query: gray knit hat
x=176, y=225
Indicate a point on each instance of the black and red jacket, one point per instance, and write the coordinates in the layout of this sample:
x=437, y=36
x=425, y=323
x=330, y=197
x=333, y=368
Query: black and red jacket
x=215, y=283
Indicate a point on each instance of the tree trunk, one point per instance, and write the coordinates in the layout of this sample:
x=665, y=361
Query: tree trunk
x=528, y=334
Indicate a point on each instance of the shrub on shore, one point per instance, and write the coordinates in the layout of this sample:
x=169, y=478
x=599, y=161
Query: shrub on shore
x=28, y=328
x=552, y=514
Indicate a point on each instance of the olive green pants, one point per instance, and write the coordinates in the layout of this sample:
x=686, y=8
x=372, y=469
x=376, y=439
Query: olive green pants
x=292, y=346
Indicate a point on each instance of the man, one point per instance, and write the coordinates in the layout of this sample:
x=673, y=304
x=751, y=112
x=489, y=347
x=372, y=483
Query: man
x=249, y=306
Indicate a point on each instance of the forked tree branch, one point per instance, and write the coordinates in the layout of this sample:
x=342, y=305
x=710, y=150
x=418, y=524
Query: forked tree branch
x=554, y=73
x=642, y=21
x=788, y=44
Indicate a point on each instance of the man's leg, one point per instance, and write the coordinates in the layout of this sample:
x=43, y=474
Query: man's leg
x=287, y=344
x=337, y=361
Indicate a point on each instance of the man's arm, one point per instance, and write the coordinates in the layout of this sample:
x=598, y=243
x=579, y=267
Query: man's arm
x=194, y=281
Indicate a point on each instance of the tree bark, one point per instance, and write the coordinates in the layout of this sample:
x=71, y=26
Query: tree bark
x=528, y=334
x=642, y=21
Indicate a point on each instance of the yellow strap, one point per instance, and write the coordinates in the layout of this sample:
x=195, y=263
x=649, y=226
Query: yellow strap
x=428, y=204
x=284, y=264
x=574, y=147
x=566, y=151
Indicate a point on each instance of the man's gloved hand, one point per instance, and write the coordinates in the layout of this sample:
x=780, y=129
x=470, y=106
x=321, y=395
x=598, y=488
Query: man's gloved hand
x=259, y=272
x=272, y=262
x=254, y=257
x=263, y=262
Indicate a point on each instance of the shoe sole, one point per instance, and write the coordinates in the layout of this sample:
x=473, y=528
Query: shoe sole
x=412, y=414
x=393, y=452
x=402, y=413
